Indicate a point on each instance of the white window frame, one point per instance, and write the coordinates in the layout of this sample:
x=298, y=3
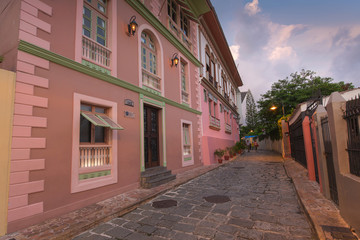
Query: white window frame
x=185, y=161
x=87, y=184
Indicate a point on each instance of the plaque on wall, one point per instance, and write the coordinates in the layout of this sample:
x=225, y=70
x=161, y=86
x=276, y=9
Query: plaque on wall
x=129, y=102
x=129, y=114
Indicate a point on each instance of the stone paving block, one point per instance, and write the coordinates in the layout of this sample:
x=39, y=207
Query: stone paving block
x=172, y=218
x=275, y=236
x=137, y=236
x=131, y=225
x=102, y=228
x=164, y=232
x=208, y=224
x=263, y=217
x=241, y=222
x=223, y=236
x=166, y=224
x=149, y=221
x=230, y=229
x=198, y=214
x=266, y=226
x=84, y=235
x=118, y=221
x=118, y=232
x=184, y=227
x=205, y=232
x=146, y=229
x=183, y=236
x=133, y=216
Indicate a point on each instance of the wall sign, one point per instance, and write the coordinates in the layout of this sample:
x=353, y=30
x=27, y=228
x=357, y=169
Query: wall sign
x=129, y=114
x=129, y=102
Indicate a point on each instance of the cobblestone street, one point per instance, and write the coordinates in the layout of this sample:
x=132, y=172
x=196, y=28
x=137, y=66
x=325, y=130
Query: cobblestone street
x=261, y=204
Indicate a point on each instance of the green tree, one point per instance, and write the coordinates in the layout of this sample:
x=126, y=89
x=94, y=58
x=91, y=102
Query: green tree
x=291, y=91
x=251, y=112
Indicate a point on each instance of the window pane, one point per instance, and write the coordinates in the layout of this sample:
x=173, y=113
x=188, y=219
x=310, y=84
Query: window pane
x=101, y=31
x=87, y=12
x=99, y=134
x=85, y=108
x=101, y=8
x=85, y=130
x=87, y=22
x=101, y=22
x=86, y=32
x=99, y=110
x=100, y=40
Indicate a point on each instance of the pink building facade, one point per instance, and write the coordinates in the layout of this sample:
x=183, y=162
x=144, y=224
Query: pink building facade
x=95, y=105
x=219, y=89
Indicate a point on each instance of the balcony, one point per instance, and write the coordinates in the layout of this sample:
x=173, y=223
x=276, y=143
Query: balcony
x=95, y=53
x=227, y=128
x=214, y=123
x=185, y=97
x=151, y=80
x=95, y=156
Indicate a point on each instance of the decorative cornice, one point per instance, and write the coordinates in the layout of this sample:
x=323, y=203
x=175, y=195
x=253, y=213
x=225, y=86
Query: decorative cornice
x=66, y=62
x=208, y=85
x=146, y=14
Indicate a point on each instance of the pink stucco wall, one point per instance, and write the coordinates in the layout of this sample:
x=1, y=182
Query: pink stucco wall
x=44, y=111
x=213, y=139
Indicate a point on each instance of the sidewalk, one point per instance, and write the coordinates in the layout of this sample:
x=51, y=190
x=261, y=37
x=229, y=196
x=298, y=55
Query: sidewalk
x=323, y=213
x=73, y=223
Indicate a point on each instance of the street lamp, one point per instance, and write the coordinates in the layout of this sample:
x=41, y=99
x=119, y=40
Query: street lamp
x=273, y=108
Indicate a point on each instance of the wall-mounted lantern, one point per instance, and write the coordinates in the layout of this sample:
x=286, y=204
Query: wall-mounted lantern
x=132, y=26
x=175, y=60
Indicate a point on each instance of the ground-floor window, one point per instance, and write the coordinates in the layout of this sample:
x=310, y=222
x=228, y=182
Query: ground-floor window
x=94, y=160
x=187, y=143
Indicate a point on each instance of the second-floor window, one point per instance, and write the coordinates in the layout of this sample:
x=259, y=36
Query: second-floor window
x=95, y=20
x=172, y=10
x=149, y=61
x=184, y=83
x=184, y=23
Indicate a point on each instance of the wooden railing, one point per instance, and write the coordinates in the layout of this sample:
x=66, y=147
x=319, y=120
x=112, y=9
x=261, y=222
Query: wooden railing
x=95, y=52
x=94, y=156
x=214, y=123
x=151, y=80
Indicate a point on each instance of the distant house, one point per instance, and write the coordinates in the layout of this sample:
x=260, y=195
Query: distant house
x=242, y=107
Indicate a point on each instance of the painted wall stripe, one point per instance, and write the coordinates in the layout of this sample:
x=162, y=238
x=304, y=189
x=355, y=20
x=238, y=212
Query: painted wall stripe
x=35, y=21
x=26, y=188
x=24, y=88
x=25, y=211
x=31, y=100
x=18, y=201
x=27, y=165
x=41, y=6
x=37, y=61
x=29, y=9
x=19, y=177
x=20, y=131
x=17, y=154
x=19, y=142
x=31, y=121
x=23, y=109
x=33, y=39
x=31, y=79
x=27, y=27
x=25, y=67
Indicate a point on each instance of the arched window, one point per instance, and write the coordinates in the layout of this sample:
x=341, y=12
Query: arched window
x=149, y=61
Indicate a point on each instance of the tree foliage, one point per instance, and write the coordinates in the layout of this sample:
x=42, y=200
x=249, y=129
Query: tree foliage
x=291, y=91
x=251, y=112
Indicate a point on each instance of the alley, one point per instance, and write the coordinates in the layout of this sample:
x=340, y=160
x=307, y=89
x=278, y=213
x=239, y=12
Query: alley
x=249, y=198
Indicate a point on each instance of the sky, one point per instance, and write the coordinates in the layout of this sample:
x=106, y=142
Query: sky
x=270, y=39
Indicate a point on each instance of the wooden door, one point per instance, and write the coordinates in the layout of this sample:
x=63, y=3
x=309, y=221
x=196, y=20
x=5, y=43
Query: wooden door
x=151, y=136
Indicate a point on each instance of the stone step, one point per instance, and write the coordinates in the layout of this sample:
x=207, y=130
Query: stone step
x=155, y=176
x=158, y=181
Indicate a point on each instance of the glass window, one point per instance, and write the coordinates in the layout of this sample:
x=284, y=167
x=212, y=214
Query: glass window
x=184, y=23
x=95, y=20
x=186, y=139
x=172, y=7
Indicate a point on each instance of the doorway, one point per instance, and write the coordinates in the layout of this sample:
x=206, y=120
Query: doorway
x=151, y=136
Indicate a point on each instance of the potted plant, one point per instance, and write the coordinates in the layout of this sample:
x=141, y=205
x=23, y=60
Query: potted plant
x=226, y=153
x=234, y=150
x=219, y=153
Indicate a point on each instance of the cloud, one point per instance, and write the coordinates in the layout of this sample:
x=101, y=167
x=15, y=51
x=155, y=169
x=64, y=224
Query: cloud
x=271, y=51
x=252, y=8
x=235, y=51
